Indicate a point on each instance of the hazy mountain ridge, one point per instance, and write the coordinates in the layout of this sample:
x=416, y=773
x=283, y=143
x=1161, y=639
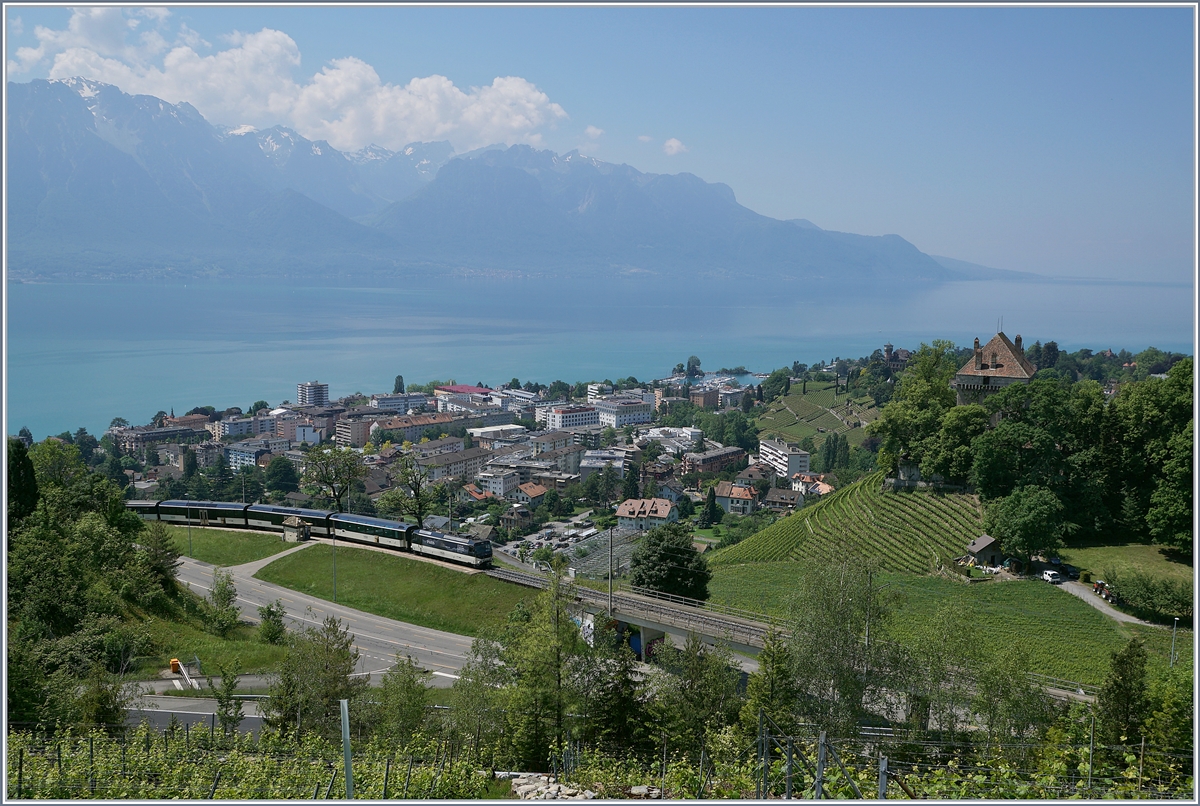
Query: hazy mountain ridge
x=102, y=183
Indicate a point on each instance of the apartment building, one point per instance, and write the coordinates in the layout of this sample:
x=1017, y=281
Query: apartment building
x=786, y=458
x=499, y=482
x=312, y=393
x=618, y=412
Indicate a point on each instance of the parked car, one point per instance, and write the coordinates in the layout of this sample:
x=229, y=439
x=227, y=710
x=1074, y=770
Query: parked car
x=1053, y=577
x=1070, y=571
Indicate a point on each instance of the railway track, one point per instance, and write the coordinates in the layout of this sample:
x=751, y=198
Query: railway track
x=739, y=630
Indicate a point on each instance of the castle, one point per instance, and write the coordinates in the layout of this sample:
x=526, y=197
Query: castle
x=997, y=364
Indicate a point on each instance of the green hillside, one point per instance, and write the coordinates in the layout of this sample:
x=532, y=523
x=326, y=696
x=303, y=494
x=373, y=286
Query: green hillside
x=817, y=414
x=904, y=531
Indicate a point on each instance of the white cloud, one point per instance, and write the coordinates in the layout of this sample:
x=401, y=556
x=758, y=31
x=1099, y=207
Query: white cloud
x=593, y=132
x=252, y=81
x=645, y=138
x=16, y=27
x=673, y=147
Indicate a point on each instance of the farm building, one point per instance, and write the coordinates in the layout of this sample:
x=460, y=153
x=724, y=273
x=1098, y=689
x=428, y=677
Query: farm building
x=985, y=550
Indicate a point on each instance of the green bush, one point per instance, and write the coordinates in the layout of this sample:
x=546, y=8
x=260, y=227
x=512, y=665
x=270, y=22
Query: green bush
x=1151, y=597
x=1086, y=576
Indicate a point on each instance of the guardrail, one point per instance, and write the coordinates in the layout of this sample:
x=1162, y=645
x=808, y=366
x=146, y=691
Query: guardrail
x=736, y=612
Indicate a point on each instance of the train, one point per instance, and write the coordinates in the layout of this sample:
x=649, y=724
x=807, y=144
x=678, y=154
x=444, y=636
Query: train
x=322, y=523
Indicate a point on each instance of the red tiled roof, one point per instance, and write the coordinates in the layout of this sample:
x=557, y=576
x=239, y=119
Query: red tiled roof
x=645, y=508
x=1001, y=359
x=464, y=390
x=532, y=490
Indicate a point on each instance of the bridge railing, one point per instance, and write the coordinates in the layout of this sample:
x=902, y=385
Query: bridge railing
x=725, y=610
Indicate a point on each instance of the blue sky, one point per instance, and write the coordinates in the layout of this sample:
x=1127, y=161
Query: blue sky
x=1058, y=141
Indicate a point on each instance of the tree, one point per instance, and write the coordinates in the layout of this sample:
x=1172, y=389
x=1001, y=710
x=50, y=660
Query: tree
x=314, y=676
x=161, y=555
x=951, y=455
x=629, y=487
x=1028, y=522
x=103, y=700
x=712, y=512
x=747, y=401
x=606, y=683
x=771, y=689
x=413, y=496
x=222, y=613
x=1170, y=513
x=22, y=483
x=334, y=470
x=270, y=623
x=281, y=476
x=687, y=507
x=402, y=697
x=698, y=694
x=840, y=676
x=190, y=465
x=693, y=367
x=666, y=561
x=1049, y=355
x=118, y=422
x=1122, y=704
x=775, y=384
x=229, y=707
x=398, y=385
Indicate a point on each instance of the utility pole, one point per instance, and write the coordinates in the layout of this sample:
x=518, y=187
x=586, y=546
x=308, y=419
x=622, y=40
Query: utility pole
x=610, y=572
x=1173, y=629
x=188, y=497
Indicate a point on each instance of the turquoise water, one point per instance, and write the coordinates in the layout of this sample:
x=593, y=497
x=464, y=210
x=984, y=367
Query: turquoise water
x=79, y=355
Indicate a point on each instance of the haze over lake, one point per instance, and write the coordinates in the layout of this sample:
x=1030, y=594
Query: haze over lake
x=79, y=355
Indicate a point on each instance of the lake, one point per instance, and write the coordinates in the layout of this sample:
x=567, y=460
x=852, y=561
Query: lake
x=81, y=354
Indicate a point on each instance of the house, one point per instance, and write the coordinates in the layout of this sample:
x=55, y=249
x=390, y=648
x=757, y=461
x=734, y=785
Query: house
x=736, y=499
x=482, y=531
x=516, y=516
x=531, y=495
x=812, y=484
x=551, y=441
x=470, y=493
x=646, y=513
x=778, y=500
x=671, y=490
x=997, y=364
x=705, y=398
x=985, y=550
x=755, y=472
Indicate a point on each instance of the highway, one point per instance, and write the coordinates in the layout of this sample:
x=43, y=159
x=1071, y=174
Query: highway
x=377, y=639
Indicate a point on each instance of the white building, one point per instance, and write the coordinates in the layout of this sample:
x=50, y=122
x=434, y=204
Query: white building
x=618, y=412
x=242, y=426
x=785, y=458
x=560, y=417
x=594, y=462
x=401, y=403
x=597, y=391
x=499, y=482
x=312, y=393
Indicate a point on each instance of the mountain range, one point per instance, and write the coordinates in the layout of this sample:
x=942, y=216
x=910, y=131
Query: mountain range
x=106, y=184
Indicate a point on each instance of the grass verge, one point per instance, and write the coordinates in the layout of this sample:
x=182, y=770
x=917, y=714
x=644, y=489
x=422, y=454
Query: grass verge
x=1063, y=636
x=399, y=587
x=1156, y=561
x=184, y=639
x=225, y=548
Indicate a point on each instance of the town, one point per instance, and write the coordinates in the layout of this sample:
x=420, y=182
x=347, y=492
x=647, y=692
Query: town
x=942, y=507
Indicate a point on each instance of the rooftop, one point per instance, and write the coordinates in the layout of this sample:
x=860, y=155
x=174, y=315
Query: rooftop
x=999, y=358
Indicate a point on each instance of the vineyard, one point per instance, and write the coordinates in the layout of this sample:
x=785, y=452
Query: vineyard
x=817, y=413
x=905, y=531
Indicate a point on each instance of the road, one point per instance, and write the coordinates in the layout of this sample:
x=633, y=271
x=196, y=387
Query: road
x=1084, y=592
x=377, y=639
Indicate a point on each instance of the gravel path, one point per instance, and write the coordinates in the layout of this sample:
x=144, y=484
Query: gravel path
x=1084, y=592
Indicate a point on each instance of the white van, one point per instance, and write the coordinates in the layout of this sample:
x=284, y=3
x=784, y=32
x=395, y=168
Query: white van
x=1053, y=577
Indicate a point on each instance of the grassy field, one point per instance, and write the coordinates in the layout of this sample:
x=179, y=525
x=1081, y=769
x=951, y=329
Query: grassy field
x=399, y=588
x=225, y=548
x=1064, y=636
x=907, y=531
x=184, y=639
x=1153, y=560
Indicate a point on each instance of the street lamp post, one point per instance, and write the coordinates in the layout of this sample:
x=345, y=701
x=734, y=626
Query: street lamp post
x=1173, y=629
x=188, y=498
x=610, y=571
x=334, y=535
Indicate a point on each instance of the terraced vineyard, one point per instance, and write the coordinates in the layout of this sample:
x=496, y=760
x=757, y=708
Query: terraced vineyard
x=797, y=416
x=907, y=531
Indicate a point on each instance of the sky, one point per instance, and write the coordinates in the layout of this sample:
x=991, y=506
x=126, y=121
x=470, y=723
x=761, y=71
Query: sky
x=1059, y=141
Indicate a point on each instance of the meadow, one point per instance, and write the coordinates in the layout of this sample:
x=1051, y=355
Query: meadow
x=398, y=587
x=1061, y=635
x=223, y=547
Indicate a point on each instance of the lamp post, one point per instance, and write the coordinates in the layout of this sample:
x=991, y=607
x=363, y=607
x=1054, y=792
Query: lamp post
x=610, y=571
x=1173, y=629
x=334, y=535
x=188, y=498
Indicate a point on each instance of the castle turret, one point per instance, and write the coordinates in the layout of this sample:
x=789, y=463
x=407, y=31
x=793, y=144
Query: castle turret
x=978, y=355
x=1017, y=344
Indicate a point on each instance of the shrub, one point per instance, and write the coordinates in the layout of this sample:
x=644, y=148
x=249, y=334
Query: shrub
x=1152, y=597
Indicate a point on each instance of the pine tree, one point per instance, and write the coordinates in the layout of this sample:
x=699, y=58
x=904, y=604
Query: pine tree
x=22, y=483
x=1122, y=705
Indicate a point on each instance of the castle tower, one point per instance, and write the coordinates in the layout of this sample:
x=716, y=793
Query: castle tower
x=977, y=380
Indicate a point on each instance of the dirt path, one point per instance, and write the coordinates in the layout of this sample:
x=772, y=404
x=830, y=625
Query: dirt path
x=1084, y=592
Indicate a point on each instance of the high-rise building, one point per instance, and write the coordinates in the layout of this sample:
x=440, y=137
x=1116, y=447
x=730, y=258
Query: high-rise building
x=313, y=393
